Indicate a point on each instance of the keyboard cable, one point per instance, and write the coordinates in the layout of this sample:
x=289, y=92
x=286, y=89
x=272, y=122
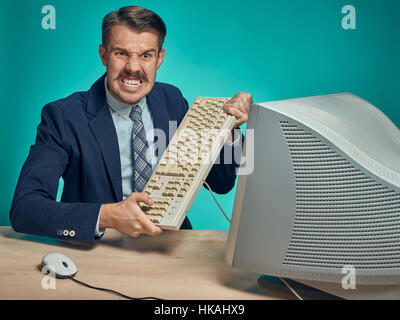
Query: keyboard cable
x=216, y=201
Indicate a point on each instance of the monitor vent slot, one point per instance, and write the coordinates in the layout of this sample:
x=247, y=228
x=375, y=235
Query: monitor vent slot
x=343, y=215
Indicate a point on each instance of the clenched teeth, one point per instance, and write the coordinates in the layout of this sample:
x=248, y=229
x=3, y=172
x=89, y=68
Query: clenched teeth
x=131, y=82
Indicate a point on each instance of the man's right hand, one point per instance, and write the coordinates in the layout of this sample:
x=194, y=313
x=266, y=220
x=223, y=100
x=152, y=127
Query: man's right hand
x=127, y=217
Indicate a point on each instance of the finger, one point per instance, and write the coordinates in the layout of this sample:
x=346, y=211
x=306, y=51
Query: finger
x=241, y=120
x=135, y=234
x=156, y=231
x=241, y=116
x=232, y=110
x=142, y=197
x=148, y=226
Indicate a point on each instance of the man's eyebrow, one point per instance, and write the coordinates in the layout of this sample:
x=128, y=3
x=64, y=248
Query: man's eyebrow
x=150, y=50
x=122, y=49
x=118, y=49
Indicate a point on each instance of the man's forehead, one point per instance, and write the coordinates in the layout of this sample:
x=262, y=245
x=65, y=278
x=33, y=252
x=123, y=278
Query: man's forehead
x=127, y=39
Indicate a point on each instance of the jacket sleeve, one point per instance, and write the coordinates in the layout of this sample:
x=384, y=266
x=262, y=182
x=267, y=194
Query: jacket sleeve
x=34, y=207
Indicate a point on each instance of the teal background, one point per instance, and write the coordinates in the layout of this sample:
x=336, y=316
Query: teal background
x=271, y=49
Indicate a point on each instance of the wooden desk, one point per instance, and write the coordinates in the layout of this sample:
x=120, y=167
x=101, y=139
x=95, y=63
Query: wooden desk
x=186, y=264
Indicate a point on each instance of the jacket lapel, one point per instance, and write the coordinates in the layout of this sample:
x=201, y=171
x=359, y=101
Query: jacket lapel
x=103, y=128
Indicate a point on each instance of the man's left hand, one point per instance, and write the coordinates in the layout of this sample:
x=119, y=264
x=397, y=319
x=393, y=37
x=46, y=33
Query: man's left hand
x=239, y=106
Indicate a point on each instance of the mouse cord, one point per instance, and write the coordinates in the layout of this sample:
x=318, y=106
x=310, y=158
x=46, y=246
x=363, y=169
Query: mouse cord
x=70, y=276
x=110, y=291
x=287, y=285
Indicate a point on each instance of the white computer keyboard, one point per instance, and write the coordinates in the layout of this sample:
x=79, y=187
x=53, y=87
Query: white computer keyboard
x=187, y=161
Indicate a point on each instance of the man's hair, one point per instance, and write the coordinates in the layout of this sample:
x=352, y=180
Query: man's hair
x=137, y=19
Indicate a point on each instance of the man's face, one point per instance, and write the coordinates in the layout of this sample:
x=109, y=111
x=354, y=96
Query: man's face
x=132, y=59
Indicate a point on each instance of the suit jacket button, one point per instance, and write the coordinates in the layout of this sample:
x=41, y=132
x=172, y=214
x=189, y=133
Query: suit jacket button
x=72, y=233
x=65, y=232
x=59, y=232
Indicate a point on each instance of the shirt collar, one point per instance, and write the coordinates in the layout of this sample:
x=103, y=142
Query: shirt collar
x=122, y=108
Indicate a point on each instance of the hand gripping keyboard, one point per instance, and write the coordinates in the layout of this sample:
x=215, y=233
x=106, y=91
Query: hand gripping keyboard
x=187, y=161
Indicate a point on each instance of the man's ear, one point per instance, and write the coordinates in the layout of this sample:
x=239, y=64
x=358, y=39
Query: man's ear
x=103, y=55
x=161, y=57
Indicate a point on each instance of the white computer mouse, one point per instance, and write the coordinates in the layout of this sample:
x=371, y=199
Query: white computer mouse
x=60, y=264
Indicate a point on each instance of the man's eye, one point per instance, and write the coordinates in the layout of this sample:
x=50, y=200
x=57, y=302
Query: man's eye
x=146, y=56
x=120, y=53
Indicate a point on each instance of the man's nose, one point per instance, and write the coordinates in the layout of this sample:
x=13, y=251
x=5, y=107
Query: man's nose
x=133, y=65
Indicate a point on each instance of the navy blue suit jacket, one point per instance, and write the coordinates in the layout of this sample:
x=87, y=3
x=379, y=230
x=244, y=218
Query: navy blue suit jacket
x=76, y=140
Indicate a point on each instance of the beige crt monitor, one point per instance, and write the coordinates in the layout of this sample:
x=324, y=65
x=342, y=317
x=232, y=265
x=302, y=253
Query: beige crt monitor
x=324, y=196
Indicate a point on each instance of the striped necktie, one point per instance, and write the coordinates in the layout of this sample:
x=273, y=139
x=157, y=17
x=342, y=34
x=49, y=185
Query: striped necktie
x=140, y=151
